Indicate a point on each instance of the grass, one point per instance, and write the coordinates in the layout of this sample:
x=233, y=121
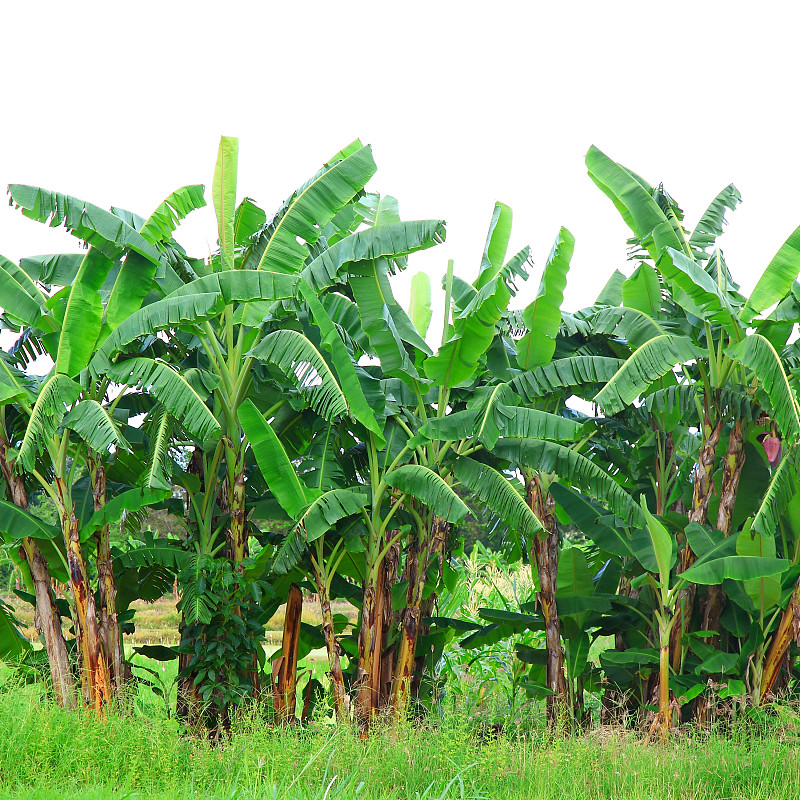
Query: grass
x=49, y=753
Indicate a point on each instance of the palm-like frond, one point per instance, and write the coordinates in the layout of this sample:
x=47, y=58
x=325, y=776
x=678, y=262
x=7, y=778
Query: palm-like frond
x=388, y=241
x=573, y=468
x=163, y=222
x=426, y=486
x=564, y=374
x=295, y=356
x=311, y=209
x=651, y=361
x=501, y=498
x=172, y=312
x=327, y=510
x=757, y=354
x=95, y=426
x=171, y=389
x=159, y=467
x=55, y=394
x=101, y=229
x=710, y=225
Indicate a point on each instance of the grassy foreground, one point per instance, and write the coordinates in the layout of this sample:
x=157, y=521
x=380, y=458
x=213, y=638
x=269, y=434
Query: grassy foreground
x=49, y=753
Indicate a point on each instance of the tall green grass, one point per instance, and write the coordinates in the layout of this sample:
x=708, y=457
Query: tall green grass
x=49, y=753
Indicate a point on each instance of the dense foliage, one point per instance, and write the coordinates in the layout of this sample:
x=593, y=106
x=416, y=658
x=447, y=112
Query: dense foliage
x=280, y=402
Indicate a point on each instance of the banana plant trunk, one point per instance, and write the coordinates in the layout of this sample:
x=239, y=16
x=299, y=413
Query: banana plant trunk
x=732, y=473
x=285, y=696
x=237, y=531
x=47, y=618
x=95, y=680
x=545, y=554
x=110, y=634
x=415, y=571
x=788, y=631
x=333, y=648
x=701, y=496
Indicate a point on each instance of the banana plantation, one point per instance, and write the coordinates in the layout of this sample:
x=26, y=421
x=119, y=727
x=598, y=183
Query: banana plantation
x=323, y=444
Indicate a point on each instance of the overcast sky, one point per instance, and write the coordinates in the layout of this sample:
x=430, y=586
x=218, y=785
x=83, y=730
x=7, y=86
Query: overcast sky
x=123, y=103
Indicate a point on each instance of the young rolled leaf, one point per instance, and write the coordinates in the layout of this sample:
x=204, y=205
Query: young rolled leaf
x=420, y=309
x=224, y=192
x=542, y=317
x=651, y=361
x=426, y=486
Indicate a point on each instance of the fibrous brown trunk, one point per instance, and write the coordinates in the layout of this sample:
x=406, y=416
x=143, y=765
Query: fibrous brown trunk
x=333, y=648
x=188, y=703
x=47, y=618
x=701, y=496
x=285, y=668
x=788, y=631
x=109, y=625
x=545, y=554
x=95, y=681
x=731, y=474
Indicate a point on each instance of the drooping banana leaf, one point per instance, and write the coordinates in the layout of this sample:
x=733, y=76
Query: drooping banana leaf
x=573, y=468
x=385, y=241
x=427, y=487
x=95, y=426
x=651, y=361
x=172, y=390
x=500, y=497
x=295, y=356
x=757, y=354
x=101, y=229
x=272, y=461
x=312, y=208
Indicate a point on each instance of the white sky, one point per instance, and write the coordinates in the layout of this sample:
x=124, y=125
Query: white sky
x=463, y=104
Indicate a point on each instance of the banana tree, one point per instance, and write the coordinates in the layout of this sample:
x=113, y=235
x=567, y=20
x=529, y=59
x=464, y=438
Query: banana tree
x=719, y=320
